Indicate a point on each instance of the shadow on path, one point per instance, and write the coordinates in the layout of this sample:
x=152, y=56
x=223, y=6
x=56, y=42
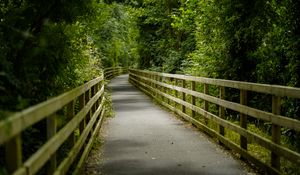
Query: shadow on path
x=144, y=139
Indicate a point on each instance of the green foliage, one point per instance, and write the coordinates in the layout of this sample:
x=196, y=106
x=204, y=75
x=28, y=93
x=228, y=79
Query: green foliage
x=50, y=47
x=160, y=45
x=254, y=41
x=117, y=34
x=247, y=40
x=242, y=40
x=278, y=54
x=40, y=50
x=250, y=40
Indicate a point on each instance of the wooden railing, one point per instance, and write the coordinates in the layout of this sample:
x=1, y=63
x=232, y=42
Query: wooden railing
x=114, y=71
x=82, y=109
x=174, y=91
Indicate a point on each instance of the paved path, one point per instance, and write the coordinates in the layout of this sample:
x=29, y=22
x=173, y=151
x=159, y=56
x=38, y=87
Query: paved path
x=144, y=139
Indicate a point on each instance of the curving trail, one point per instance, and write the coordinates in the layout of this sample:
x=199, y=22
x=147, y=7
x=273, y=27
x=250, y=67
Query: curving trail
x=144, y=139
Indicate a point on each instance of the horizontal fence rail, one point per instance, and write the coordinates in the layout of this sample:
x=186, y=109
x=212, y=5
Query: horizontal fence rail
x=81, y=111
x=85, y=120
x=114, y=71
x=180, y=93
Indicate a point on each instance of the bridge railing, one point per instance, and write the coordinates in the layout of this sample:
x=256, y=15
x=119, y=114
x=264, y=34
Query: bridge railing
x=82, y=110
x=114, y=71
x=179, y=93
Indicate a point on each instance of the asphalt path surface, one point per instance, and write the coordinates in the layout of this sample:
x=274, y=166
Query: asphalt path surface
x=143, y=138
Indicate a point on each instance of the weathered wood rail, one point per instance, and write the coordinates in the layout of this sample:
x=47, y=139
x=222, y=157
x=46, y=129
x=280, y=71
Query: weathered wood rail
x=172, y=90
x=114, y=71
x=82, y=108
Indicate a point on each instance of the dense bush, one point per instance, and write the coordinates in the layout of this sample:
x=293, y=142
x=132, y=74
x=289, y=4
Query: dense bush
x=50, y=47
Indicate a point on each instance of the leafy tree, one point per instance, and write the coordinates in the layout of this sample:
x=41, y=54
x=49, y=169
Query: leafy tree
x=36, y=46
x=49, y=47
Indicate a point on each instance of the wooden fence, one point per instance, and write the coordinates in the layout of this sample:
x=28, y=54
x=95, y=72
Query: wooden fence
x=173, y=90
x=114, y=71
x=82, y=110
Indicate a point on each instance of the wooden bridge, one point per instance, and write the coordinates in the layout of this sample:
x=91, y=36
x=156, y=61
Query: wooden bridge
x=200, y=101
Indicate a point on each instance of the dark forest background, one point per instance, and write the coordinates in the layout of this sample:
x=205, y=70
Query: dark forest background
x=49, y=47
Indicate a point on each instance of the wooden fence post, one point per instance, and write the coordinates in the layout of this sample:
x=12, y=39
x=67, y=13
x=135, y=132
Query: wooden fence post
x=51, y=131
x=183, y=109
x=97, y=88
x=243, y=119
x=81, y=106
x=161, y=88
x=155, y=86
x=276, y=131
x=93, y=109
x=142, y=80
x=152, y=85
x=206, y=91
x=146, y=82
x=92, y=95
x=149, y=83
x=166, y=89
x=13, y=153
x=70, y=115
x=221, y=109
x=87, y=99
x=193, y=99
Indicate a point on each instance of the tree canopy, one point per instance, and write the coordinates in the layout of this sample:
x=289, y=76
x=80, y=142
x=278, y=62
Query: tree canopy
x=49, y=47
x=242, y=40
